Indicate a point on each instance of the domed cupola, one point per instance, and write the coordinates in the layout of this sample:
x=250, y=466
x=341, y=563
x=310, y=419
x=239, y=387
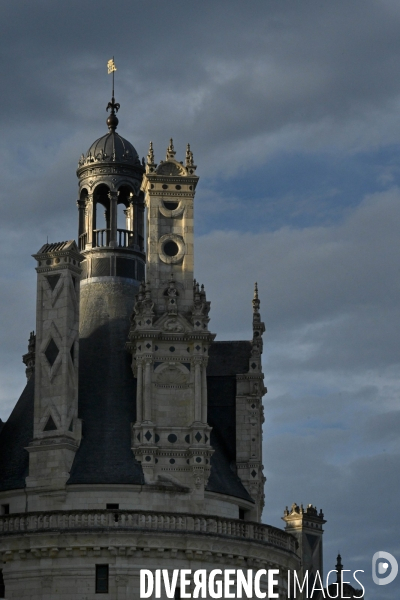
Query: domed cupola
x=110, y=154
x=110, y=148
x=111, y=206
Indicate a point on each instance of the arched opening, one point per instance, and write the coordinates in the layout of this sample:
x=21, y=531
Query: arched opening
x=101, y=220
x=125, y=217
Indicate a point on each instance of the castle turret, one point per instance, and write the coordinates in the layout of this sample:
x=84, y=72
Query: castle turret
x=111, y=240
x=306, y=525
x=111, y=209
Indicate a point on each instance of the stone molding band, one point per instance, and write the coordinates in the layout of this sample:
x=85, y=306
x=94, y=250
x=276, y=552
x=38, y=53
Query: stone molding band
x=144, y=520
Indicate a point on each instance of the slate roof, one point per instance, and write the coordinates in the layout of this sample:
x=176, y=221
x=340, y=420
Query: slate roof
x=57, y=246
x=15, y=435
x=226, y=360
x=107, y=407
x=107, y=393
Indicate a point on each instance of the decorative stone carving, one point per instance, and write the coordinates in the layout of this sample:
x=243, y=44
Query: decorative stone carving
x=172, y=375
x=171, y=169
x=173, y=326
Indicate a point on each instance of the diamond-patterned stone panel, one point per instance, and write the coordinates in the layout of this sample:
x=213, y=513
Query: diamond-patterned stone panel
x=51, y=352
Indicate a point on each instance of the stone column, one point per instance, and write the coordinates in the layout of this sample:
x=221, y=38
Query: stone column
x=90, y=220
x=197, y=390
x=204, y=394
x=139, y=392
x=147, y=390
x=113, y=196
x=133, y=210
x=127, y=214
x=81, y=222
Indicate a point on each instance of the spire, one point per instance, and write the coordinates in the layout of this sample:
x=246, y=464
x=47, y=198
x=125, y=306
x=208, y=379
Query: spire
x=256, y=301
x=339, y=568
x=170, y=150
x=258, y=330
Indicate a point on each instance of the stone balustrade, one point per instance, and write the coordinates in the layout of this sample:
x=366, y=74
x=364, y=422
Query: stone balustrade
x=131, y=520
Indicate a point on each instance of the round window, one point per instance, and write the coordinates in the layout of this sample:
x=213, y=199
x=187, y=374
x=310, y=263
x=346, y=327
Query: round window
x=171, y=205
x=171, y=248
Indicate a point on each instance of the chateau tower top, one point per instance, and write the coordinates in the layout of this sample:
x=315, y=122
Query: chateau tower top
x=111, y=206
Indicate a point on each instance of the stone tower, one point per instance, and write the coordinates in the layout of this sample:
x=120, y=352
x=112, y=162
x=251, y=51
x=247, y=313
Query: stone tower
x=111, y=240
x=169, y=337
x=306, y=525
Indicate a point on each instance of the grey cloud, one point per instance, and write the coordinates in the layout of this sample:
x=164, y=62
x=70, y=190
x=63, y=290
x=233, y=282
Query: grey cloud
x=317, y=273
x=383, y=428
x=255, y=70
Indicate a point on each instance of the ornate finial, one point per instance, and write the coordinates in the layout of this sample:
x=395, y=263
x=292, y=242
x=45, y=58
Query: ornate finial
x=170, y=150
x=112, y=120
x=189, y=157
x=150, y=155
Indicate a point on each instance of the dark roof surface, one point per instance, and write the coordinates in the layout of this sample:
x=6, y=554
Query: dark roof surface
x=15, y=435
x=57, y=246
x=228, y=358
x=107, y=407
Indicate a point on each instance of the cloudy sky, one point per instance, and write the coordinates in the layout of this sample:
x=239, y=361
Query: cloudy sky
x=292, y=110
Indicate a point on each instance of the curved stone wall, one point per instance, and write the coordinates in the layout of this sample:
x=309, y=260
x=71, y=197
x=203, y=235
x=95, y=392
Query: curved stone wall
x=54, y=554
